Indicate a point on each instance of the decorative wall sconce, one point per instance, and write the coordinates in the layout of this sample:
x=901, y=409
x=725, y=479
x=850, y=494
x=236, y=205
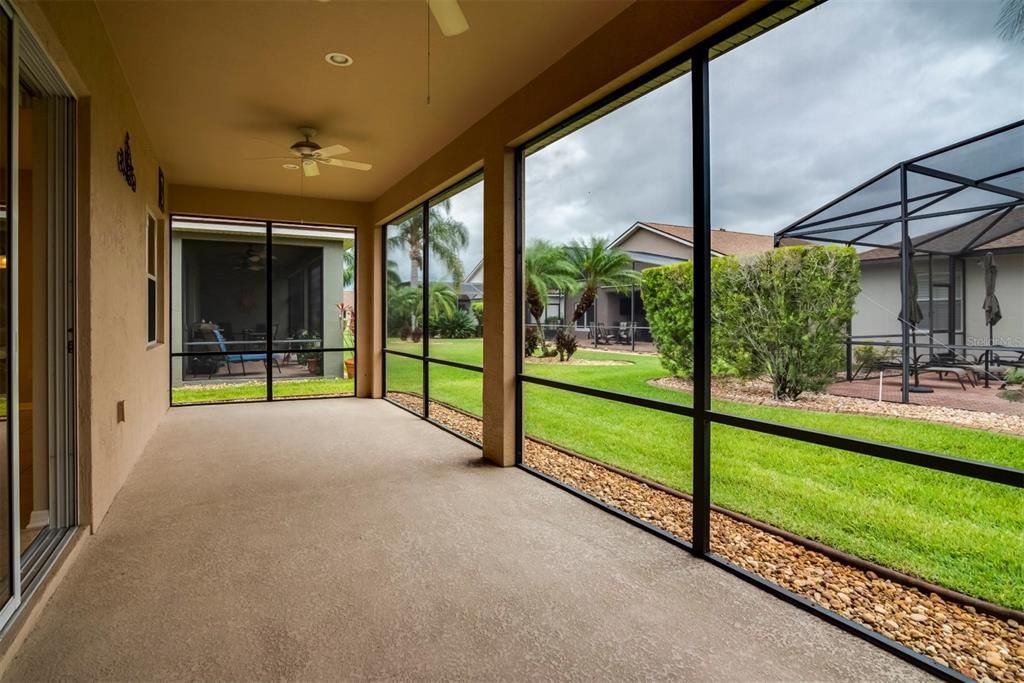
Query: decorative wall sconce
x=124, y=163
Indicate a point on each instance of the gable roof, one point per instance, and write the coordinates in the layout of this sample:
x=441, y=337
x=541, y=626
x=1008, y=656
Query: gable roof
x=1006, y=233
x=723, y=242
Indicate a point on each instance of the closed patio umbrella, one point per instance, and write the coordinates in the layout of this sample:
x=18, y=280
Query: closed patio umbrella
x=914, y=317
x=992, y=312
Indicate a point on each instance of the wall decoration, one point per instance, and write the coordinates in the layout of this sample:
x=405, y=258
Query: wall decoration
x=124, y=163
x=160, y=189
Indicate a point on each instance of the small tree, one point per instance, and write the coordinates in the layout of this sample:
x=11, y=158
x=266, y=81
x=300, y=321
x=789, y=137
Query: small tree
x=782, y=313
x=790, y=308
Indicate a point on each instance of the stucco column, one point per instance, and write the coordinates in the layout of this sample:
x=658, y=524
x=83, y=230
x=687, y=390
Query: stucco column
x=499, y=308
x=369, y=305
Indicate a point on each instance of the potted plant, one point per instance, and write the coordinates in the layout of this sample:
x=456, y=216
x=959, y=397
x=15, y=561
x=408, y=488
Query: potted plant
x=311, y=359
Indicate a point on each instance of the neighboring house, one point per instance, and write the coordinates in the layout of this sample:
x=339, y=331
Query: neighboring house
x=878, y=303
x=650, y=245
x=472, y=289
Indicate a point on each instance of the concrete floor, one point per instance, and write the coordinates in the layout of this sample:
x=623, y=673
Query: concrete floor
x=346, y=539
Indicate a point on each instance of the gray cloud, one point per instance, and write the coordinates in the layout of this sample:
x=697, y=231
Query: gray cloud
x=799, y=116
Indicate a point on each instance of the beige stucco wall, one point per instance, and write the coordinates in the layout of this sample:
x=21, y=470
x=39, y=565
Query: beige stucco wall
x=212, y=201
x=1010, y=291
x=115, y=363
x=650, y=243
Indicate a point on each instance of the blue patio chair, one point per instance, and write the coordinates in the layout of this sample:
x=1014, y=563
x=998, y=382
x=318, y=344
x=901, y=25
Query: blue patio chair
x=230, y=358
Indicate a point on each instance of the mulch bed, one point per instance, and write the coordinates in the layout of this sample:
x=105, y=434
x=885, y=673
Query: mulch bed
x=959, y=636
x=759, y=393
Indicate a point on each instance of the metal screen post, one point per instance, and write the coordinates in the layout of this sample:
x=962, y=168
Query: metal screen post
x=269, y=357
x=425, y=318
x=904, y=286
x=701, y=304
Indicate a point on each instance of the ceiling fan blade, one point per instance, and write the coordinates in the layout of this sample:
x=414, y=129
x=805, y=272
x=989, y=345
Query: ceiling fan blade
x=309, y=168
x=333, y=151
x=345, y=163
x=449, y=17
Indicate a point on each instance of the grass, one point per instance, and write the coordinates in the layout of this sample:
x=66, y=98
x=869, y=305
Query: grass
x=961, y=533
x=257, y=390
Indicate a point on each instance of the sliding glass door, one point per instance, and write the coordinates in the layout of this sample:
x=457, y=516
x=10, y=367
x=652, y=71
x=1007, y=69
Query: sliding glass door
x=8, y=397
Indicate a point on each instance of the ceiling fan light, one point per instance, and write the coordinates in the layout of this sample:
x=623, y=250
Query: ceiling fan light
x=338, y=59
x=449, y=17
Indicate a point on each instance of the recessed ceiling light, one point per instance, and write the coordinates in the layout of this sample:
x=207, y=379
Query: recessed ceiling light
x=290, y=167
x=338, y=59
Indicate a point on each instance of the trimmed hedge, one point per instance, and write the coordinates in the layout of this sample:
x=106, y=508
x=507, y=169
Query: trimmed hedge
x=781, y=313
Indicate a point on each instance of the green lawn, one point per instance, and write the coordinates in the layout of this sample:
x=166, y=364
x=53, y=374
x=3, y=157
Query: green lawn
x=257, y=390
x=965, y=534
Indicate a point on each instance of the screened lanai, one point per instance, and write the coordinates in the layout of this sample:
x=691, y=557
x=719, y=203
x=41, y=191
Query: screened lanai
x=961, y=206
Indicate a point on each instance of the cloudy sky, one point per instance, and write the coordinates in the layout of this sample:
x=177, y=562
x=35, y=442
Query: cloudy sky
x=800, y=115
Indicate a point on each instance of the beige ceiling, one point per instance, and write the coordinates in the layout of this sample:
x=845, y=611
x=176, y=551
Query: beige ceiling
x=218, y=83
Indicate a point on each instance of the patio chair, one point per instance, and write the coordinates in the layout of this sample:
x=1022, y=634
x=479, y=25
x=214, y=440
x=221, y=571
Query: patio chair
x=230, y=358
x=974, y=366
x=624, y=333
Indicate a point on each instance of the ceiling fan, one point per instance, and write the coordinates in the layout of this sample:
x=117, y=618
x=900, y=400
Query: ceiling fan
x=449, y=17
x=311, y=155
x=253, y=258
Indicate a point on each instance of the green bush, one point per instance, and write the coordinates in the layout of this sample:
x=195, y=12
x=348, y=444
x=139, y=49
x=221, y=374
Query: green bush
x=782, y=313
x=1013, y=386
x=459, y=324
x=667, y=293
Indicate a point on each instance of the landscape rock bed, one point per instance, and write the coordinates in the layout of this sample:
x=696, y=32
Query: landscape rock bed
x=978, y=645
x=553, y=360
x=759, y=393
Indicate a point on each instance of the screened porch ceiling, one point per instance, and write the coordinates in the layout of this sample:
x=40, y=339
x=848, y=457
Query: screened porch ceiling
x=958, y=199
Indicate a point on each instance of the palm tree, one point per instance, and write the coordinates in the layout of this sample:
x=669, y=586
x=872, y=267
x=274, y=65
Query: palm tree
x=448, y=237
x=348, y=266
x=546, y=267
x=598, y=264
x=409, y=299
x=1011, y=20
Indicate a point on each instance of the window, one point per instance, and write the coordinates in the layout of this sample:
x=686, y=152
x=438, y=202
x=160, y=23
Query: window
x=434, y=310
x=152, y=282
x=590, y=415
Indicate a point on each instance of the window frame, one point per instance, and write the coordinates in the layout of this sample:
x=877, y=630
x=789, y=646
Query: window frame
x=153, y=302
x=425, y=359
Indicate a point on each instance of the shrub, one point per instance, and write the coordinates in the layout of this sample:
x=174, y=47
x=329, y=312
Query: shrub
x=1013, y=386
x=782, y=313
x=565, y=344
x=531, y=341
x=457, y=325
x=667, y=293
x=478, y=312
x=790, y=308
